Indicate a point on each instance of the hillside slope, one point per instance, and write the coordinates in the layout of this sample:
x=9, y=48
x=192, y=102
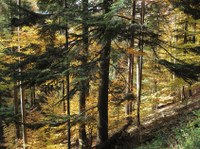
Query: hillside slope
x=167, y=117
x=184, y=136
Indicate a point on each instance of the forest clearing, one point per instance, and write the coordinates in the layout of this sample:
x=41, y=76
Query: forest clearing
x=105, y=74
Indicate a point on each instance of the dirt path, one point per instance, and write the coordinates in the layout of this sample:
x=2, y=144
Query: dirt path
x=130, y=136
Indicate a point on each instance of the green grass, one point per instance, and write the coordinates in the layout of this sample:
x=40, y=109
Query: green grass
x=187, y=136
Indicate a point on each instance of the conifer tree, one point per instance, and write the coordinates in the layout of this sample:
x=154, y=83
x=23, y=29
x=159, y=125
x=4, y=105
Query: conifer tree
x=190, y=7
x=102, y=130
x=81, y=40
x=21, y=89
x=67, y=78
x=84, y=89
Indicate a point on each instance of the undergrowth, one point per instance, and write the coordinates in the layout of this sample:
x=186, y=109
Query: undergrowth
x=186, y=136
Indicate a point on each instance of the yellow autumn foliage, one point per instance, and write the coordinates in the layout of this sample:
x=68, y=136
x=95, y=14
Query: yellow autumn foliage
x=135, y=52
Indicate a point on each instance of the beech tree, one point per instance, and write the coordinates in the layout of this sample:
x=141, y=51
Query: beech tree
x=64, y=69
x=130, y=93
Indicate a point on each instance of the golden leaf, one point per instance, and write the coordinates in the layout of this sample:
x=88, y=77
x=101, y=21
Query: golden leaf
x=135, y=52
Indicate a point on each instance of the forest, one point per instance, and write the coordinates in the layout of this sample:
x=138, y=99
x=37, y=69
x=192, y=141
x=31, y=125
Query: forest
x=105, y=74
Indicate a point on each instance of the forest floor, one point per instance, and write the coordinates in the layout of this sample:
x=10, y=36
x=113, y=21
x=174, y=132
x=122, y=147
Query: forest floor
x=185, y=135
x=166, y=117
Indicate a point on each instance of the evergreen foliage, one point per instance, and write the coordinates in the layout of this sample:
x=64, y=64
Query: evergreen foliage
x=189, y=6
x=188, y=72
x=76, y=54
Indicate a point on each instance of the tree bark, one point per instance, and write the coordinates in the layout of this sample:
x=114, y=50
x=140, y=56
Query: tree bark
x=68, y=110
x=67, y=83
x=139, y=87
x=21, y=90
x=23, y=115
x=84, y=83
x=16, y=111
x=63, y=95
x=102, y=126
x=103, y=94
x=82, y=126
x=129, y=104
x=139, y=65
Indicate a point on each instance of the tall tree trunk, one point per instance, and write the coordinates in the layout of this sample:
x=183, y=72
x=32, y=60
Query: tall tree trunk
x=183, y=97
x=139, y=65
x=21, y=90
x=16, y=111
x=68, y=110
x=85, y=83
x=139, y=87
x=16, y=99
x=175, y=42
x=67, y=82
x=82, y=130
x=23, y=116
x=102, y=128
x=68, y=102
x=103, y=94
x=129, y=104
x=63, y=95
